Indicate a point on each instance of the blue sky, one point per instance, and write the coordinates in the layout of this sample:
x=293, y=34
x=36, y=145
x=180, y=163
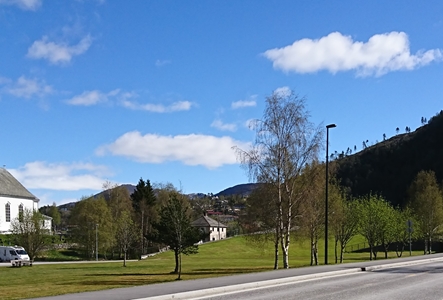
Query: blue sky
x=112, y=91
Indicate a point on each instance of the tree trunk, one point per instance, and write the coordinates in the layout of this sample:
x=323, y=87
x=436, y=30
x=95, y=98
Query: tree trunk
x=342, y=251
x=335, y=250
x=316, y=251
x=177, y=261
x=312, y=250
x=124, y=259
x=285, y=248
x=276, y=245
x=430, y=244
x=179, y=266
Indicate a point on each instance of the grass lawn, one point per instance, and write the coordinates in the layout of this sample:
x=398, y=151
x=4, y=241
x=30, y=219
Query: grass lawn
x=227, y=257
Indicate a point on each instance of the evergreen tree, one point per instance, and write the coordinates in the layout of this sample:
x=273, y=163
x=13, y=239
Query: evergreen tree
x=143, y=202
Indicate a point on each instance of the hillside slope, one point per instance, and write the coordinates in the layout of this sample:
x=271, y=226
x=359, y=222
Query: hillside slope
x=389, y=167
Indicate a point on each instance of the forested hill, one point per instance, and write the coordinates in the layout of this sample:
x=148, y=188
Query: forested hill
x=389, y=167
x=240, y=189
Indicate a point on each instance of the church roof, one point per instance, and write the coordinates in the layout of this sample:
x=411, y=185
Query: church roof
x=205, y=221
x=11, y=187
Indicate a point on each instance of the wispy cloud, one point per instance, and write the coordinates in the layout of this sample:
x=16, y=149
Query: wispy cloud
x=251, y=102
x=224, y=126
x=381, y=54
x=26, y=87
x=192, y=149
x=23, y=4
x=58, y=53
x=61, y=177
x=89, y=98
x=161, y=63
x=283, y=91
x=158, y=108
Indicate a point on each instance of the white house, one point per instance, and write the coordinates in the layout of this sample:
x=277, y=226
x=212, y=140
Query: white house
x=14, y=198
x=216, y=230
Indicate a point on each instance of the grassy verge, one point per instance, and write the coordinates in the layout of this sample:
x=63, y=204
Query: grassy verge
x=228, y=257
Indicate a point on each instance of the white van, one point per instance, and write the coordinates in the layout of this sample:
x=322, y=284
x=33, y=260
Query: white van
x=8, y=253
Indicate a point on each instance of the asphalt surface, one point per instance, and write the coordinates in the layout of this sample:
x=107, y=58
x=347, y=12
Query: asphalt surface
x=188, y=289
x=411, y=282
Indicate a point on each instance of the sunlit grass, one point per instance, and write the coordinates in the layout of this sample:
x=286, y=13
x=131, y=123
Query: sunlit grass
x=228, y=257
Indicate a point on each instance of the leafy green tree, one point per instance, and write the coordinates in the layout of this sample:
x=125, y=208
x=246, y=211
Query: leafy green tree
x=29, y=232
x=119, y=203
x=126, y=233
x=54, y=213
x=344, y=219
x=312, y=209
x=402, y=236
x=255, y=219
x=426, y=201
x=91, y=219
x=373, y=225
x=174, y=230
x=388, y=223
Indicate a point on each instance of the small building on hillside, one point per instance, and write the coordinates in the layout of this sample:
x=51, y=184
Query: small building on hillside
x=215, y=230
x=14, y=199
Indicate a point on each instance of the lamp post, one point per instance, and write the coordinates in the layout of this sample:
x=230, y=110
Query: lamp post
x=96, y=242
x=326, y=199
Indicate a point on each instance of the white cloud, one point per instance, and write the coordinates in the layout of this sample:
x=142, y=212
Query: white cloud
x=61, y=177
x=158, y=108
x=245, y=103
x=283, y=91
x=89, y=98
x=192, y=149
x=23, y=4
x=26, y=88
x=336, y=52
x=58, y=53
x=161, y=63
x=223, y=126
x=250, y=124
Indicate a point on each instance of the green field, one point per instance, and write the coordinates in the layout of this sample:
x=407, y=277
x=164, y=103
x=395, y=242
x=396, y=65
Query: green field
x=227, y=257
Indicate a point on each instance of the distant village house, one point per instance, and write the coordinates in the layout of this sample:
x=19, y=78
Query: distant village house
x=215, y=229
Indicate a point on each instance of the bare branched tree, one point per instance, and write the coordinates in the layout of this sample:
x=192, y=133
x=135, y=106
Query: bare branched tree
x=285, y=142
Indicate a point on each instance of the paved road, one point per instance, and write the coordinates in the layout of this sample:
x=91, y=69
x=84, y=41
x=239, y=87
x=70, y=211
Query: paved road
x=204, y=287
x=406, y=283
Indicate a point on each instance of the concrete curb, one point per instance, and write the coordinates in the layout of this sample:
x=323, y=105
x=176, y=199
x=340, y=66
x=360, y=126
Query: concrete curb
x=251, y=285
x=401, y=264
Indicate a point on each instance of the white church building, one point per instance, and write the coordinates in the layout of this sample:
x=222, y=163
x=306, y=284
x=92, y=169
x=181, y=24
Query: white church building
x=14, y=198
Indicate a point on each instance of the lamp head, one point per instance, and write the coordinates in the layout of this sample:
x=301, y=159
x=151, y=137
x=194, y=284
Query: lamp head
x=331, y=126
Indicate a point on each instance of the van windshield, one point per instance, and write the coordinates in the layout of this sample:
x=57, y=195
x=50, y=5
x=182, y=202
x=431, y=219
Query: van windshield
x=21, y=252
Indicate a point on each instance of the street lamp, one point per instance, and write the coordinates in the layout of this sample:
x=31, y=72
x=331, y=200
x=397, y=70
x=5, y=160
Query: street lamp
x=326, y=199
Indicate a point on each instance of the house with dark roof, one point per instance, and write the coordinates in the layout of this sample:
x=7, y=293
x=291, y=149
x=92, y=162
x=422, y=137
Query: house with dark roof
x=14, y=199
x=215, y=230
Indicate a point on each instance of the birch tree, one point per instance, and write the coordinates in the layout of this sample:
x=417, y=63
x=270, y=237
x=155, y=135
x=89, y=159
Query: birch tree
x=126, y=233
x=426, y=201
x=29, y=232
x=344, y=219
x=285, y=141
